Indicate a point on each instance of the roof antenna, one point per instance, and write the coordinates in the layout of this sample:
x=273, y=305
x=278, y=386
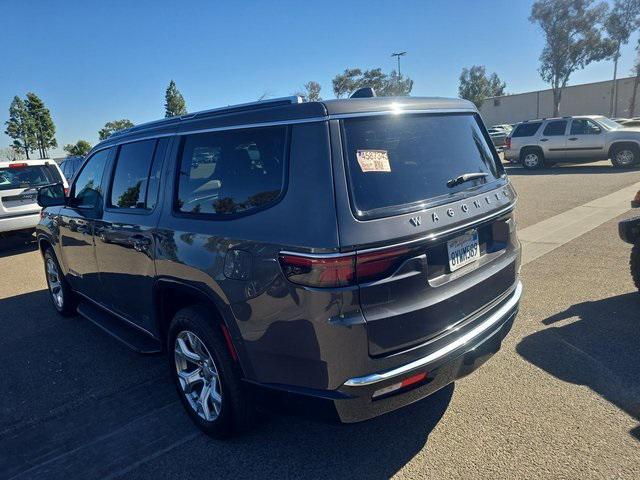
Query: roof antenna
x=364, y=92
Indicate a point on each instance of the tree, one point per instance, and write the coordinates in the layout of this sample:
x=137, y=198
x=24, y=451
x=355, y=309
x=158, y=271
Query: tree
x=45, y=129
x=352, y=79
x=311, y=92
x=619, y=24
x=572, y=40
x=79, y=149
x=114, y=126
x=20, y=127
x=173, y=101
x=475, y=85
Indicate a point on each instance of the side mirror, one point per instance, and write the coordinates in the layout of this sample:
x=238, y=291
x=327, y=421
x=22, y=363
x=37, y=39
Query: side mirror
x=51, y=195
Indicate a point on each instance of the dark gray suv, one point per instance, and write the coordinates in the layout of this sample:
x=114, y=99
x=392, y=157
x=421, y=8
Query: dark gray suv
x=356, y=255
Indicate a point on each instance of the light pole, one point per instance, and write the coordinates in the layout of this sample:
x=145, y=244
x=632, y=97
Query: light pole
x=398, y=55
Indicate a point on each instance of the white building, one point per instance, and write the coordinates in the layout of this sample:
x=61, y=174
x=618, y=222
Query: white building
x=585, y=99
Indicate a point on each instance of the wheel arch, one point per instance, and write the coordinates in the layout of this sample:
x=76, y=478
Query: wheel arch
x=171, y=295
x=621, y=143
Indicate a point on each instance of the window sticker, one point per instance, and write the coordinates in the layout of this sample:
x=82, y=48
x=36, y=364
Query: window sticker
x=373, y=160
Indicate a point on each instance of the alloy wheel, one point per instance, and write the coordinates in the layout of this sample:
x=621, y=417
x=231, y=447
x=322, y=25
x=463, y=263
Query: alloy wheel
x=198, y=375
x=625, y=157
x=55, y=283
x=531, y=160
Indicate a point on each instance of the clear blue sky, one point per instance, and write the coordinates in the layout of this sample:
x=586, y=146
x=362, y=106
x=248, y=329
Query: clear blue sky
x=95, y=61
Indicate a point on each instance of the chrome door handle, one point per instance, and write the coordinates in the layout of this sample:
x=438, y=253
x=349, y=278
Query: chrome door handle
x=573, y=138
x=544, y=139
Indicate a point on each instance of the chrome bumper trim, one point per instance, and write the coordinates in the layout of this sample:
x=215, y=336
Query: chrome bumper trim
x=495, y=318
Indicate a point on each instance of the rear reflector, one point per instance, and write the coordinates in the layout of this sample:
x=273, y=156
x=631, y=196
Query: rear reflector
x=18, y=165
x=407, y=382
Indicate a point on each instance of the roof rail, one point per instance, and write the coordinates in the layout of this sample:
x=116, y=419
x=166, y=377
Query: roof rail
x=272, y=102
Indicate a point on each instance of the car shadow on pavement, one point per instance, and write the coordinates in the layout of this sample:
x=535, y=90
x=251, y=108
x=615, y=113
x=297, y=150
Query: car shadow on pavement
x=109, y=411
x=599, y=349
x=16, y=244
x=514, y=170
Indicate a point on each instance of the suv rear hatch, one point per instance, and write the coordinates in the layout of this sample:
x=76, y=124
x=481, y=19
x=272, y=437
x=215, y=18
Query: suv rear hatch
x=417, y=282
x=18, y=187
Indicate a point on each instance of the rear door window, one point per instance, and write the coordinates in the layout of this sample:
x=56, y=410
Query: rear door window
x=526, y=129
x=134, y=183
x=231, y=172
x=555, y=128
x=398, y=163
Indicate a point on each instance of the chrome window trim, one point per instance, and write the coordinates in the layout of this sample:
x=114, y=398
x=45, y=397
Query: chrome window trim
x=495, y=318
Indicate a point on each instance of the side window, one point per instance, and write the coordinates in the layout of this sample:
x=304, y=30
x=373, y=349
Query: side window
x=231, y=172
x=88, y=186
x=526, y=129
x=555, y=128
x=131, y=176
x=584, y=127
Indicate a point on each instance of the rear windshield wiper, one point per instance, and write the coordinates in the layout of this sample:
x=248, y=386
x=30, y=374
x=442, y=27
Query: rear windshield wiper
x=465, y=177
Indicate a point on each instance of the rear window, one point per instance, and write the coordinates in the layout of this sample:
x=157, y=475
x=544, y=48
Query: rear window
x=526, y=129
x=28, y=176
x=399, y=162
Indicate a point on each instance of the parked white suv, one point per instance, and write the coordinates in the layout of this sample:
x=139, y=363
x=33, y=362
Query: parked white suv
x=19, y=182
x=589, y=138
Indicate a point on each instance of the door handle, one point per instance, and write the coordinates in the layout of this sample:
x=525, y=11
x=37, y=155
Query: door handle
x=573, y=139
x=544, y=139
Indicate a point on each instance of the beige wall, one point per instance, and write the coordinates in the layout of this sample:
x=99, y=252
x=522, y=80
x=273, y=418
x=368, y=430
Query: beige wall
x=587, y=99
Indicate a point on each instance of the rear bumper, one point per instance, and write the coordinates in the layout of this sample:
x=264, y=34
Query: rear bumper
x=21, y=222
x=354, y=401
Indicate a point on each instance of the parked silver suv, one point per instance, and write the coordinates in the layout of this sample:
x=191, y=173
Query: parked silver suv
x=589, y=138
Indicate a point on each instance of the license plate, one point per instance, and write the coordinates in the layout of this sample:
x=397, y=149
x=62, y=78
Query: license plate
x=463, y=250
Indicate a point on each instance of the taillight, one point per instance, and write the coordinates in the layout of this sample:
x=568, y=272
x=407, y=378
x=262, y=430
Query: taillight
x=66, y=191
x=18, y=165
x=373, y=265
x=329, y=271
x=507, y=142
x=341, y=270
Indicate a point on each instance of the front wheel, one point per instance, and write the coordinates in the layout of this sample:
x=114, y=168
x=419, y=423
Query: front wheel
x=61, y=295
x=634, y=264
x=208, y=380
x=624, y=157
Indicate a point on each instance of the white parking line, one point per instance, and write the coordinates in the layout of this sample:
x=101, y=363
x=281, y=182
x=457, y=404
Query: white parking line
x=549, y=234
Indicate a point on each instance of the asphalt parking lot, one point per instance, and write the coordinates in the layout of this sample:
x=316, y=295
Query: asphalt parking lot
x=560, y=400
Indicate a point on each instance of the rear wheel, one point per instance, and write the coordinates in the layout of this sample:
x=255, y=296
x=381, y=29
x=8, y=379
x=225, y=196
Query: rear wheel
x=634, y=263
x=624, y=156
x=208, y=380
x=532, y=158
x=60, y=293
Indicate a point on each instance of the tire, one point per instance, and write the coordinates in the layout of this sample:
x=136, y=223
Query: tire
x=625, y=156
x=227, y=409
x=64, y=300
x=634, y=264
x=532, y=159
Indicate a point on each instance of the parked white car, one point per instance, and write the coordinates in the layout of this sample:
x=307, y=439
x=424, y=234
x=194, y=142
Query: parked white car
x=19, y=182
x=588, y=138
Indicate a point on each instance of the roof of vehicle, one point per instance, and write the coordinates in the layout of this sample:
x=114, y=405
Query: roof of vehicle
x=40, y=161
x=562, y=118
x=284, y=110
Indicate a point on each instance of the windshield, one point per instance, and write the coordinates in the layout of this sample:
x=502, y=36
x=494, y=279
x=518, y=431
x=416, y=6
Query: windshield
x=396, y=163
x=608, y=123
x=28, y=176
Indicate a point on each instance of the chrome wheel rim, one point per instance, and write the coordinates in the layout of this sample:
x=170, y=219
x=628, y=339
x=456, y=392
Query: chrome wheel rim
x=531, y=160
x=55, y=284
x=625, y=157
x=198, y=376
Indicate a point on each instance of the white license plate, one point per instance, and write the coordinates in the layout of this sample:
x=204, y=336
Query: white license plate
x=463, y=250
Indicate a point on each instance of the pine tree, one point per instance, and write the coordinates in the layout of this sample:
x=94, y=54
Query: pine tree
x=45, y=129
x=20, y=127
x=115, y=126
x=173, y=101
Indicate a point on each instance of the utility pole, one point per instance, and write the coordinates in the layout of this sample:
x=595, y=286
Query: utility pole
x=398, y=55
